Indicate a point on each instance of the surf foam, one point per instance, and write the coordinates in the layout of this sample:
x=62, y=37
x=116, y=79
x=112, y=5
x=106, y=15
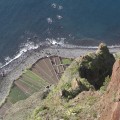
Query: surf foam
x=24, y=48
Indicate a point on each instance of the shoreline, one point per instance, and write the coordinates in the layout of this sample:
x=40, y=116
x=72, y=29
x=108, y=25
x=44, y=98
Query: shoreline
x=16, y=68
x=19, y=58
x=13, y=63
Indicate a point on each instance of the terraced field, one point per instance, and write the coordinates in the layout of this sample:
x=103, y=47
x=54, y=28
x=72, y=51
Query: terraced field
x=16, y=94
x=44, y=72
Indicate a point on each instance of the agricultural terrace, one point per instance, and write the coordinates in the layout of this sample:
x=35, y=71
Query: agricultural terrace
x=44, y=72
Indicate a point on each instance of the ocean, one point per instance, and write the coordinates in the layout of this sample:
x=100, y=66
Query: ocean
x=24, y=24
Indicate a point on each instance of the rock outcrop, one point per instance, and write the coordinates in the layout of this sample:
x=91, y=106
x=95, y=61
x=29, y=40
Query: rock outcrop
x=95, y=67
x=111, y=100
x=90, y=71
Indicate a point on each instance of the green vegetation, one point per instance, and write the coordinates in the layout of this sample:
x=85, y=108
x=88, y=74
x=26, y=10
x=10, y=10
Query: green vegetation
x=66, y=86
x=66, y=61
x=74, y=110
x=32, y=81
x=16, y=94
x=42, y=108
x=91, y=100
x=97, y=66
x=34, y=78
x=74, y=69
x=86, y=84
x=67, y=110
x=94, y=114
x=105, y=84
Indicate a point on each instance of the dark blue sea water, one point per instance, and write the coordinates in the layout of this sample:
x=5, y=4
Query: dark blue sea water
x=81, y=22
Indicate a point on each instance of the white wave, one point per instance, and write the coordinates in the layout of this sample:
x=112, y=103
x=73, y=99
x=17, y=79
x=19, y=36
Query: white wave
x=1, y=65
x=49, y=20
x=60, y=7
x=58, y=41
x=61, y=42
x=90, y=47
x=54, y=5
x=7, y=59
x=59, y=17
x=26, y=47
x=114, y=46
x=110, y=47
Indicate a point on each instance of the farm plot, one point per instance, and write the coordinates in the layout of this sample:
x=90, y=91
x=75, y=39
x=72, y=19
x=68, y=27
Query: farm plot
x=57, y=60
x=45, y=69
x=59, y=64
x=61, y=69
x=25, y=86
x=51, y=69
x=16, y=94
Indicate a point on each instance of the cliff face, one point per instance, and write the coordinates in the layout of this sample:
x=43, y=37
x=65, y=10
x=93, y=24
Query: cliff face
x=111, y=100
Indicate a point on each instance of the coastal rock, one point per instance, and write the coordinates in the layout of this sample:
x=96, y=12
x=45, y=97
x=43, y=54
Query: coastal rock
x=102, y=48
x=96, y=66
